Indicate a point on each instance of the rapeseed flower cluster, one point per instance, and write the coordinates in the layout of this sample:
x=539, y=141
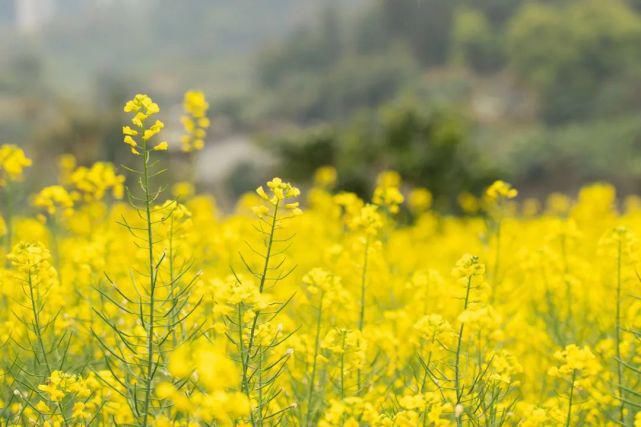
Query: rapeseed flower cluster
x=13, y=161
x=314, y=307
x=138, y=138
x=195, y=121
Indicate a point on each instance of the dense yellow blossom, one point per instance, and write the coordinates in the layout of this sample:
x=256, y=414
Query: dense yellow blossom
x=94, y=182
x=195, y=121
x=13, y=161
x=167, y=311
x=54, y=199
x=138, y=138
x=501, y=190
x=387, y=193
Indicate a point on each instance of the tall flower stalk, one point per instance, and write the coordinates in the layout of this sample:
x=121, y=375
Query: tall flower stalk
x=469, y=271
x=324, y=291
x=38, y=277
x=257, y=339
x=579, y=368
x=141, y=352
x=496, y=196
x=366, y=225
x=143, y=108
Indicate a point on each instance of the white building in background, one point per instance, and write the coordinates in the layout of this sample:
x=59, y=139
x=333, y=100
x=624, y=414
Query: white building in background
x=31, y=15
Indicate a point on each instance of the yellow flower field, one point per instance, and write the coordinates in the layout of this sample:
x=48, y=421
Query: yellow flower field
x=144, y=306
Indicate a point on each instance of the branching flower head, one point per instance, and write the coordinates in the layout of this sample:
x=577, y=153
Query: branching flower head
x=387, y=193
x=278, y=192
x=173, y=220
x=319, y=281
x=347, y=343
x=55, y=199
x=94, y=182
x=29, y=257
x=33, y=261
x=503, y=367
x=621, y=239
x=501, y=190
x=13, y=161
x=61, y=383
x=195, y=121
x=368, y=221
x=468, y=266
x=348, y=205
x=575, y=360
x=138, y=137
x=434, y=329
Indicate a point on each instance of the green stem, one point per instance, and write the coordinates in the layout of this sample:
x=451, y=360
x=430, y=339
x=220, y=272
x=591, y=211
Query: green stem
x=319, y=314
x=263, y=280
x=152, y=289
x=260, y=387
x=361, y=318
x=618, y=338
x=36, y=325
x=571, y=397
x=62, y=414
x=172, y=291
x=242, y=346
x=343, y=366
x=457, y=361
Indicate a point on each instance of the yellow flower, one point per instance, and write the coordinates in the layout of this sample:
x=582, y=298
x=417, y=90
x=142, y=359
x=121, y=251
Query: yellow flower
x=279, y=191
x=43, y=407
x=161, y=146
x=419, y=200
x=387, y=193
x=153, y=130
x=94, y=182
x=55, y=394
x=468, y=266
x=12, y=163
x=325, y=176
x=367, y=221
x=195, y=121
x=143, y=108
x=128, y=131
x=575, y=359
x=501, y=190
x=54, y=199
x=29, y=256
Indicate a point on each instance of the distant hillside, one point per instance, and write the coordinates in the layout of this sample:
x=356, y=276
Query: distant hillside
x=156, y=42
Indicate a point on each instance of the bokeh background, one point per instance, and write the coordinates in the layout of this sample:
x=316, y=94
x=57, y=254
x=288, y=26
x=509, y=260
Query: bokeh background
x=450, y=93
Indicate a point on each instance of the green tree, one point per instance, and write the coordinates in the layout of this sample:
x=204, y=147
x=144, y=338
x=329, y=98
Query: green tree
x=475, y=42
x=428, y=147
x=568, y=51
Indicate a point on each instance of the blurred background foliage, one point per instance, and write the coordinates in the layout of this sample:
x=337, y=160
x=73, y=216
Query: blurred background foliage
x=424, y=146
x=451, y=93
